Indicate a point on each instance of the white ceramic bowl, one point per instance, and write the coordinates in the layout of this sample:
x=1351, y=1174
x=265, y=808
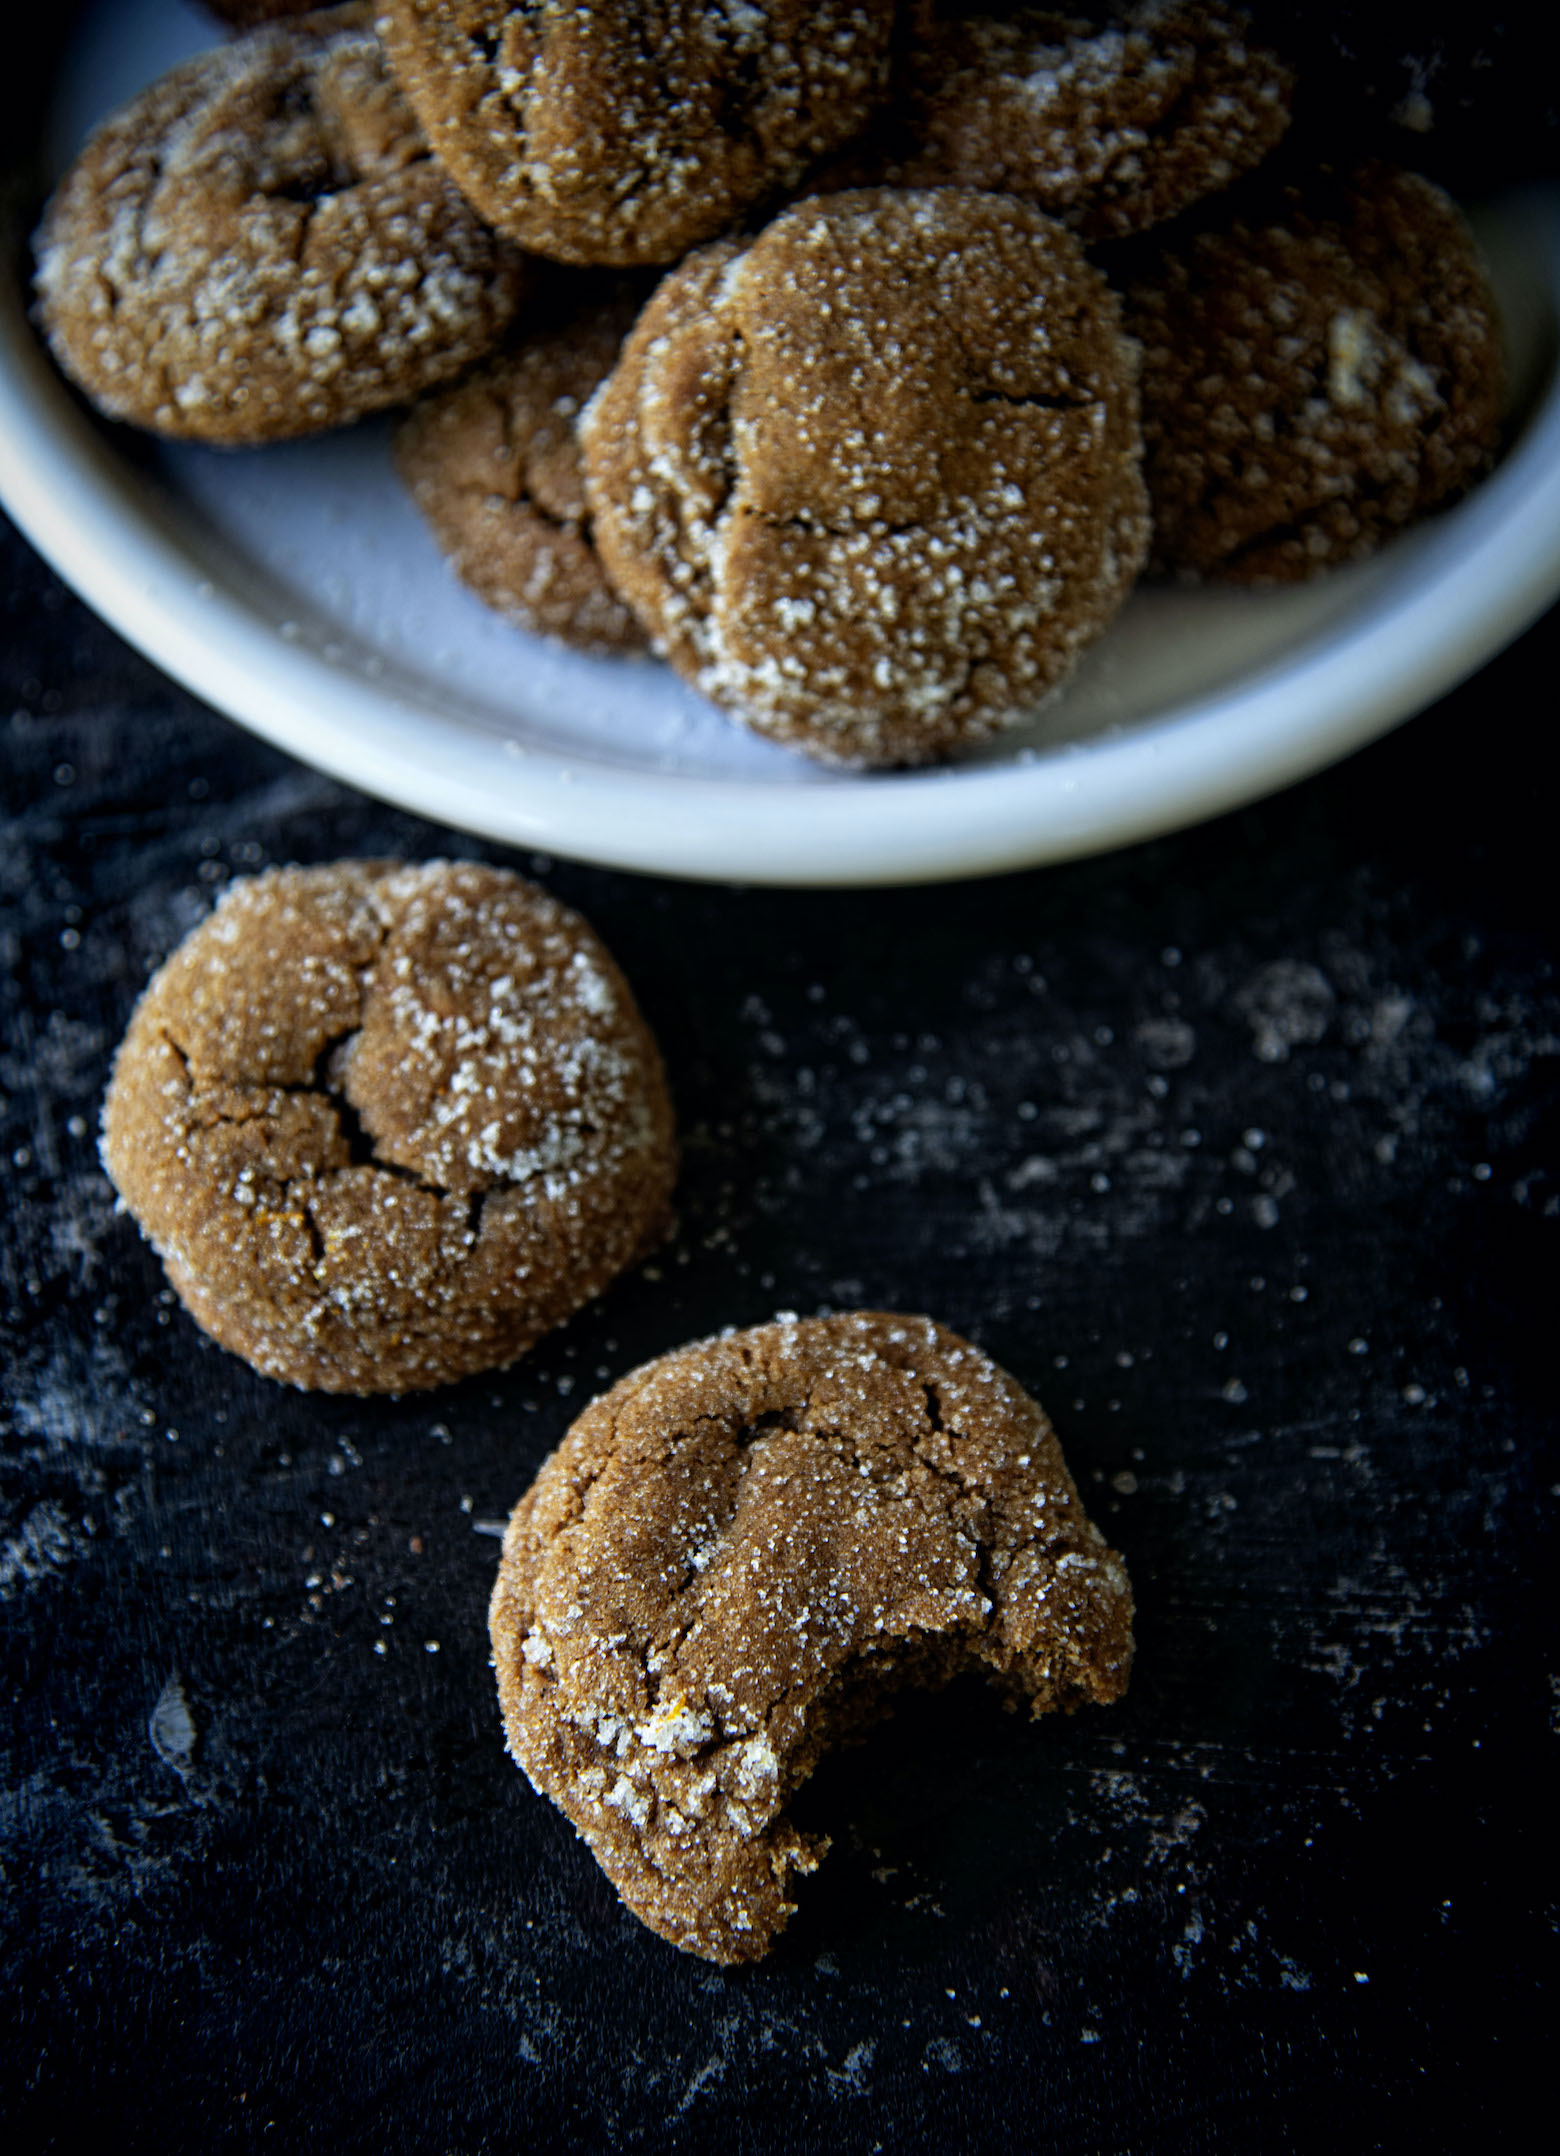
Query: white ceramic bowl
x=297, y=590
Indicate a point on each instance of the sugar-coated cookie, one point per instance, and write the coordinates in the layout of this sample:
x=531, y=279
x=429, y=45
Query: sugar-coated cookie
x=601, y=133
x=1321, y=366
x=740, y=1554
x=872, y=479
x=387, y=1125
x=260, y=245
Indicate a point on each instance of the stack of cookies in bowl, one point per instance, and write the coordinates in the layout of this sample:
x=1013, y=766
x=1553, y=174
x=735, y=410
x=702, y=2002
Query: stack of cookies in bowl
x=856, y=358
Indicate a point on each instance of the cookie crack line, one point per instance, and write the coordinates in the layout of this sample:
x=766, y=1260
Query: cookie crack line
x=342, y=270
x=1036, y=400
x=1125, y=146
x=525, y=502
x=362, y=1149
x=360, y=1146
x=155, y=167
x=801, y=520
x=437, y=1036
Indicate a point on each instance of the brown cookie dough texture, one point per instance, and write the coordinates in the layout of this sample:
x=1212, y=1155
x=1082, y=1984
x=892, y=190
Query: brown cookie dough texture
x=1317, y=373
x=871, y=479
x=601, y=133
x=387, y=1125
x=495, y=466
x=260, y=245
x=738, y=1556
x=1111, y=121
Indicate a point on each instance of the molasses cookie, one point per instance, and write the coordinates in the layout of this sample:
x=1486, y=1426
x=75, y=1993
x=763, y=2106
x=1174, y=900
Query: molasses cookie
x=1110, y=121
x=598, y=133
x=246, y=14
x=871, y=479
x=740, y=1554
x=1319, y=370
x=388, y=1125
x=494, y=465
x=260, y=245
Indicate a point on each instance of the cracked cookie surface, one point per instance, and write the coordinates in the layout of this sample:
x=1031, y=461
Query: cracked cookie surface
x=1321, y=367
x=596, y=133
x=872, y=479
x=739, y=1555
x=387, y=1125
x=1111, y=121
x=247, y=14
x=494, y=464
x=261, y=245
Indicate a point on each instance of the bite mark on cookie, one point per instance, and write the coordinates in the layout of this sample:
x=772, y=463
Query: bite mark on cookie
x=741, y=1554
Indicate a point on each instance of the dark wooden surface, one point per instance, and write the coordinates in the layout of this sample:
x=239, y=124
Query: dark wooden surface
x=269, y=1878
x=1239, y=1149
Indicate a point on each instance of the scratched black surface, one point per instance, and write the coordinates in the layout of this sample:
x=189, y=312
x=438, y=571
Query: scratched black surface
x=1238, y=1148
x=1305, y=1385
